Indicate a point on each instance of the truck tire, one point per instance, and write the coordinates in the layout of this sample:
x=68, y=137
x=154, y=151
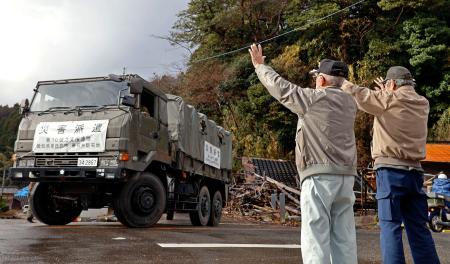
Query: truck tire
x=141, y=202
x=216, y=209
x=49, y=210
x=200, y=217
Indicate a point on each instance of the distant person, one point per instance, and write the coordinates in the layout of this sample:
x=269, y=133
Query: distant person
x=325, y=157
x=399, y=138
x=441, y=185
x=30, y=216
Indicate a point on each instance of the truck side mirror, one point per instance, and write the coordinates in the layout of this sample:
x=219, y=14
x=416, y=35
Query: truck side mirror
x=136, y=86
x=129, y=101
x=24, y=106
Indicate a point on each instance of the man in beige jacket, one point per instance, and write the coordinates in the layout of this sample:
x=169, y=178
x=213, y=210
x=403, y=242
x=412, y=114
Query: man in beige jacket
x=399, y=138
x=325, y=157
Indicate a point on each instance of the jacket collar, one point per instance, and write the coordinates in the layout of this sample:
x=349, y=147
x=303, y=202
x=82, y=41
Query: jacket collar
x=406, y=88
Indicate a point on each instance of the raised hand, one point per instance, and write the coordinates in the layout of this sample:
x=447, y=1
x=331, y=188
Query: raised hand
x=256, y=54
x=380, y=82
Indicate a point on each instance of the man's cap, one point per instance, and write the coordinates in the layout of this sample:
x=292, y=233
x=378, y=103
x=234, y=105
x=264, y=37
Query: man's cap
x=399, y=73
x=332, y=67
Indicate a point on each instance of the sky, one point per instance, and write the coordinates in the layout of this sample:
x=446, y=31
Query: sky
x=59, y=39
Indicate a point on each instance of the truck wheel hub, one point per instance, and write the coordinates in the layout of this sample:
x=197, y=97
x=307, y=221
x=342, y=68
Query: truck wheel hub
x=204, y=205
x=144, y=200
x=217, y=208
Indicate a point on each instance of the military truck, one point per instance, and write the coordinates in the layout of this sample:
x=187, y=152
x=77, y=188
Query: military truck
x=119, y=142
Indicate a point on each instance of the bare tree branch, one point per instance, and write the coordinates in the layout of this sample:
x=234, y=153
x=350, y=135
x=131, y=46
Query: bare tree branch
x=172, y=42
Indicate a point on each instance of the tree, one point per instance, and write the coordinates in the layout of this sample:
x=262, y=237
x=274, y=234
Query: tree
x=441, y=130
x=9, y=123
x=370, y=37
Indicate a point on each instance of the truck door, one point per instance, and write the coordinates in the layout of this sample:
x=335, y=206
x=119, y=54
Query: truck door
x=148, y=125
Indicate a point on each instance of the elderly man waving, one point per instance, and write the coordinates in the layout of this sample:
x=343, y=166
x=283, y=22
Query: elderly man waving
x=325, y=158
x=399, y=137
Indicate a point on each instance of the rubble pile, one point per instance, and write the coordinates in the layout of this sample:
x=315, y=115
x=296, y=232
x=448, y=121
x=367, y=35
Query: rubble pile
x=256, y=201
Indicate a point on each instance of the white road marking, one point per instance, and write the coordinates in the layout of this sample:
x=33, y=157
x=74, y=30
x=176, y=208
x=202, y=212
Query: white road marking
x=218, y=245
x=119, y=238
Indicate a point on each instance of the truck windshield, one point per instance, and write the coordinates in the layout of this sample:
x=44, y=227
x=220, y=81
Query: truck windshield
x=68, y=95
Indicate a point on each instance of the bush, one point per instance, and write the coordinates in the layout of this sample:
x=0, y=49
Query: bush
x=3, y=206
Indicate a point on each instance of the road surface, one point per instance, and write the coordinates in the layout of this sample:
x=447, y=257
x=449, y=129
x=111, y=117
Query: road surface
x=169, y=242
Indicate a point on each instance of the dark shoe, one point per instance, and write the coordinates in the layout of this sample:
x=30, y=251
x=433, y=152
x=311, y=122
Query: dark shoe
x=30, y=219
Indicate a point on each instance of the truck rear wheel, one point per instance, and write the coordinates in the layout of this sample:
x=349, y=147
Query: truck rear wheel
x=49, y=210
x=141, y=202
x=200, y=217
x=216, y=209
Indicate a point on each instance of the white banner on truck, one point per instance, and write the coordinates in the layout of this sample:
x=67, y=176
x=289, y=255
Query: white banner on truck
x=70, y=136
x=212, y=155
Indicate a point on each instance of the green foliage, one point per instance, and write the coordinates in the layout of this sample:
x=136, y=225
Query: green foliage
x=9, y=122
x=377, y=60
x=441, y=130
x=426, y=39
x=392, y=4
x=3, y=206
x=370, y=37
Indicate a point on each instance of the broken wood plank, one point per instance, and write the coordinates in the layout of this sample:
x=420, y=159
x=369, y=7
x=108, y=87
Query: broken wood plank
x=279, y=184
x=268, y=210
x=292, y=210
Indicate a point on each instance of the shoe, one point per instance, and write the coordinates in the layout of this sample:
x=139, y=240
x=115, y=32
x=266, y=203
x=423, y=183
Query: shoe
x=30, y=219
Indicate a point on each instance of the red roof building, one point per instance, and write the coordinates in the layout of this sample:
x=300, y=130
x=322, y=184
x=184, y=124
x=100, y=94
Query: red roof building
x=437, y=159
x=438, y=153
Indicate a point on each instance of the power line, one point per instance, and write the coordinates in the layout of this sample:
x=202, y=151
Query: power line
x=266, y=40
x=278, y=36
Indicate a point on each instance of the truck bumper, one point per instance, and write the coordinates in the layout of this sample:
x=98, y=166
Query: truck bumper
x=52, y=174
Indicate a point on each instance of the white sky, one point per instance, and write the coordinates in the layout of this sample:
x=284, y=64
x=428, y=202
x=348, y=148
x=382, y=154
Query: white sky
x=58, y=39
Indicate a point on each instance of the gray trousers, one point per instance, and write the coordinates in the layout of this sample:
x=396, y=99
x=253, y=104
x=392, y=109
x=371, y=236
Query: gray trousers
x=328, y=225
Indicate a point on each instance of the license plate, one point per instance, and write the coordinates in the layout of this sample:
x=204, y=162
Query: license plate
x=87, y=162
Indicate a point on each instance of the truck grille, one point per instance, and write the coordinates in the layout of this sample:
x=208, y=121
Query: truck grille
x=56, y=162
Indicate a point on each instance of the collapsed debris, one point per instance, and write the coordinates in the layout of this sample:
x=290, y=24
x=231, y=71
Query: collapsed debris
x=264, y=199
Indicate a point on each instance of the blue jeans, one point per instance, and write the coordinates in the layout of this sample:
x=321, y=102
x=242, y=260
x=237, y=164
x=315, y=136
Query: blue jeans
x=401, y=199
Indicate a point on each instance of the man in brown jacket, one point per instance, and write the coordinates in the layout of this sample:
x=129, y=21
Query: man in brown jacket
x=399, y=138
x=325, y=157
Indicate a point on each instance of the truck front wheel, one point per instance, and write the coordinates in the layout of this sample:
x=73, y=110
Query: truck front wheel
x=200, y=217
x=141, y=202
x=49, y=210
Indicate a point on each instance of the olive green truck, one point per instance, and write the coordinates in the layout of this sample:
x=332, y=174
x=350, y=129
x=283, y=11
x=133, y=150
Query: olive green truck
x=119, y=142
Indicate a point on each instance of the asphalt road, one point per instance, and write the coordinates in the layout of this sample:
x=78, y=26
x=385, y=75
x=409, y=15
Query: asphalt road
x=21, y=242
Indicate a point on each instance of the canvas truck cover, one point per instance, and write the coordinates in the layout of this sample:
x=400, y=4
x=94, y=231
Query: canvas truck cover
x=197, y=136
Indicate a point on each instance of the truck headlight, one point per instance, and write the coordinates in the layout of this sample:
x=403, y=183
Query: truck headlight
x=22, y=163
x=26, y=163
x=30, y=162
x=109, y=162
